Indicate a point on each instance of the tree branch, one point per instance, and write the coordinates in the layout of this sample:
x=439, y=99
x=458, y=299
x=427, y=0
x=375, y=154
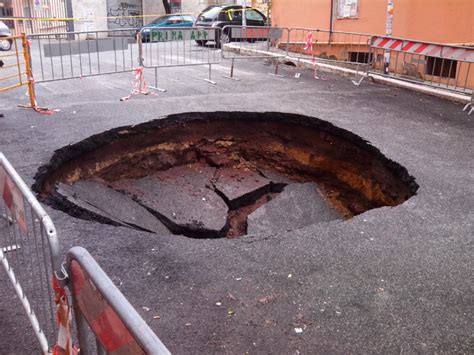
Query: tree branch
x=167, y=6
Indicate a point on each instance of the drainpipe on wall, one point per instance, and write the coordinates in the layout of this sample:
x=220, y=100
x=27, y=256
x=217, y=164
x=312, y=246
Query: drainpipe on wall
x=69, y=23
x=388, y=33
x=331, y=20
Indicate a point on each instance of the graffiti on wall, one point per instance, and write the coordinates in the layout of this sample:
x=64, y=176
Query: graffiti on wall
x=122, y=12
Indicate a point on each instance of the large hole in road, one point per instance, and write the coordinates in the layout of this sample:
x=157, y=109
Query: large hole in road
x=222, y=174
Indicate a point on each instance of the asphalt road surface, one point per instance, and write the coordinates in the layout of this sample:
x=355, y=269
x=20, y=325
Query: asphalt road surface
x=392, y=280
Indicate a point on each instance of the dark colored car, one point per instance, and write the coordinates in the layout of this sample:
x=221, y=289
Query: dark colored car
x=166, y=21
x=224, y=15
x=5, y=44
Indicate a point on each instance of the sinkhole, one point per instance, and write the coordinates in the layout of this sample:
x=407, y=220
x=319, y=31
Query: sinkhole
x=222, y=174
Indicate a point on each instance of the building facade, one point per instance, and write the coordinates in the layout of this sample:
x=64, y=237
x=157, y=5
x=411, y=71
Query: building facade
x=98, y=15
x=445, y=21
x=440, y=21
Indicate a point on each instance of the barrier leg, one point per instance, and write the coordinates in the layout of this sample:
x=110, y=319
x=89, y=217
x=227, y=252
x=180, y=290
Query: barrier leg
x=210, y=76
x=358, y=82
x=156, y=83
x=82, y=326
x=470, y=105
x=100, y=348
x=231, y=77
x=276, y=71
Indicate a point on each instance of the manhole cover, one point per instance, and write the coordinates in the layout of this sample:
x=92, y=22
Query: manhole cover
x=222, y=174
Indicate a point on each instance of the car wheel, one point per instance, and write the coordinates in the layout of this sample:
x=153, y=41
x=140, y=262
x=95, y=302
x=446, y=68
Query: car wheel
x=201, y=43
x=5, y=44
x=225, y=38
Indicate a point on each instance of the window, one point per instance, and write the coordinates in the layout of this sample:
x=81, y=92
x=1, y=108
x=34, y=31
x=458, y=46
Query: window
x=159, y=20
x=175, y=6
x=188, y=18
x=210, y=14
x=174, y=20
x=234, y=14
x=360, y=57
x=253, y=15
x=347, y=8
x=445, y=68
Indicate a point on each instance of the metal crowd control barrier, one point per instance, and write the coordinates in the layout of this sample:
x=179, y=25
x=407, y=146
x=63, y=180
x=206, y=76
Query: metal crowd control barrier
x=101, y=307
x=69, y=55
x=437, y=65
x=253, y=42
x=29, y=252
x=349, y=49
x=179, y=47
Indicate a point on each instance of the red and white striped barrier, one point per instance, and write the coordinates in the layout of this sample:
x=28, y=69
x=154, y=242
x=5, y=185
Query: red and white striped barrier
x=464, y=54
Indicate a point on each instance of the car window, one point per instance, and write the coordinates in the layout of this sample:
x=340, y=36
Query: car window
x=253, y=15
x=159, y=20
x=188, y=18
x=174, y=19
x=211, y=14
x=233, y=15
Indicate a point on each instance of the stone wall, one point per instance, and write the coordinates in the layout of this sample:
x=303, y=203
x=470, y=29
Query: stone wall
x=193, y=7
x=92, y=13
x=152, y=7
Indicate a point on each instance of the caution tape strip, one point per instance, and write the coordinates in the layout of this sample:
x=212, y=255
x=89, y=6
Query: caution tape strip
x=139, y=85
x=105, y=17
x=83, y=18
x=64, y=345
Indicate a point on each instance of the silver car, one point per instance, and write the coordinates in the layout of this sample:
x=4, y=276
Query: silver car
x=5, y=44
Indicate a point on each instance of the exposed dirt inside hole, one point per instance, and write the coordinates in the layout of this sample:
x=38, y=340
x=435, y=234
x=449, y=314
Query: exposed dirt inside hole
x=203, y=174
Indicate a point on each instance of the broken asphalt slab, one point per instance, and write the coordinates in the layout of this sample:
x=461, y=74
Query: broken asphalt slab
x=196, y=212
x=97, y=198
x=297, y=206
x=240, y=187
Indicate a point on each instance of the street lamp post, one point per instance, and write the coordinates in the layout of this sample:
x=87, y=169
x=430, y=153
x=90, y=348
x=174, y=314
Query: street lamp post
x=244, y=17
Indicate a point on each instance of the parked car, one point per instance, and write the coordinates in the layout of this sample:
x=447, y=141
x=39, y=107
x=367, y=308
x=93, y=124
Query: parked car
x=167, y=21
x=5, y=44
x=223, y=15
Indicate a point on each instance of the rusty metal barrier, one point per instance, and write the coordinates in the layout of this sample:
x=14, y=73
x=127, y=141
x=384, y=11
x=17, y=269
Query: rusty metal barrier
x=437, y=65
x=29, y=252
x=254, y=42
x=179, y=47
x=102, y=310
x=16, y=71
x=13, y=65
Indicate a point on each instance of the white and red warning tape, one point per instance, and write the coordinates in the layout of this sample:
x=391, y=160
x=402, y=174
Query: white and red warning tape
x=309, y=44
x=424, y=48
x=64, y=344
x=139, y=85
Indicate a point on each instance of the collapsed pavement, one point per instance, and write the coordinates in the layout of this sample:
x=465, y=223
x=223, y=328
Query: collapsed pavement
x=205, y=175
